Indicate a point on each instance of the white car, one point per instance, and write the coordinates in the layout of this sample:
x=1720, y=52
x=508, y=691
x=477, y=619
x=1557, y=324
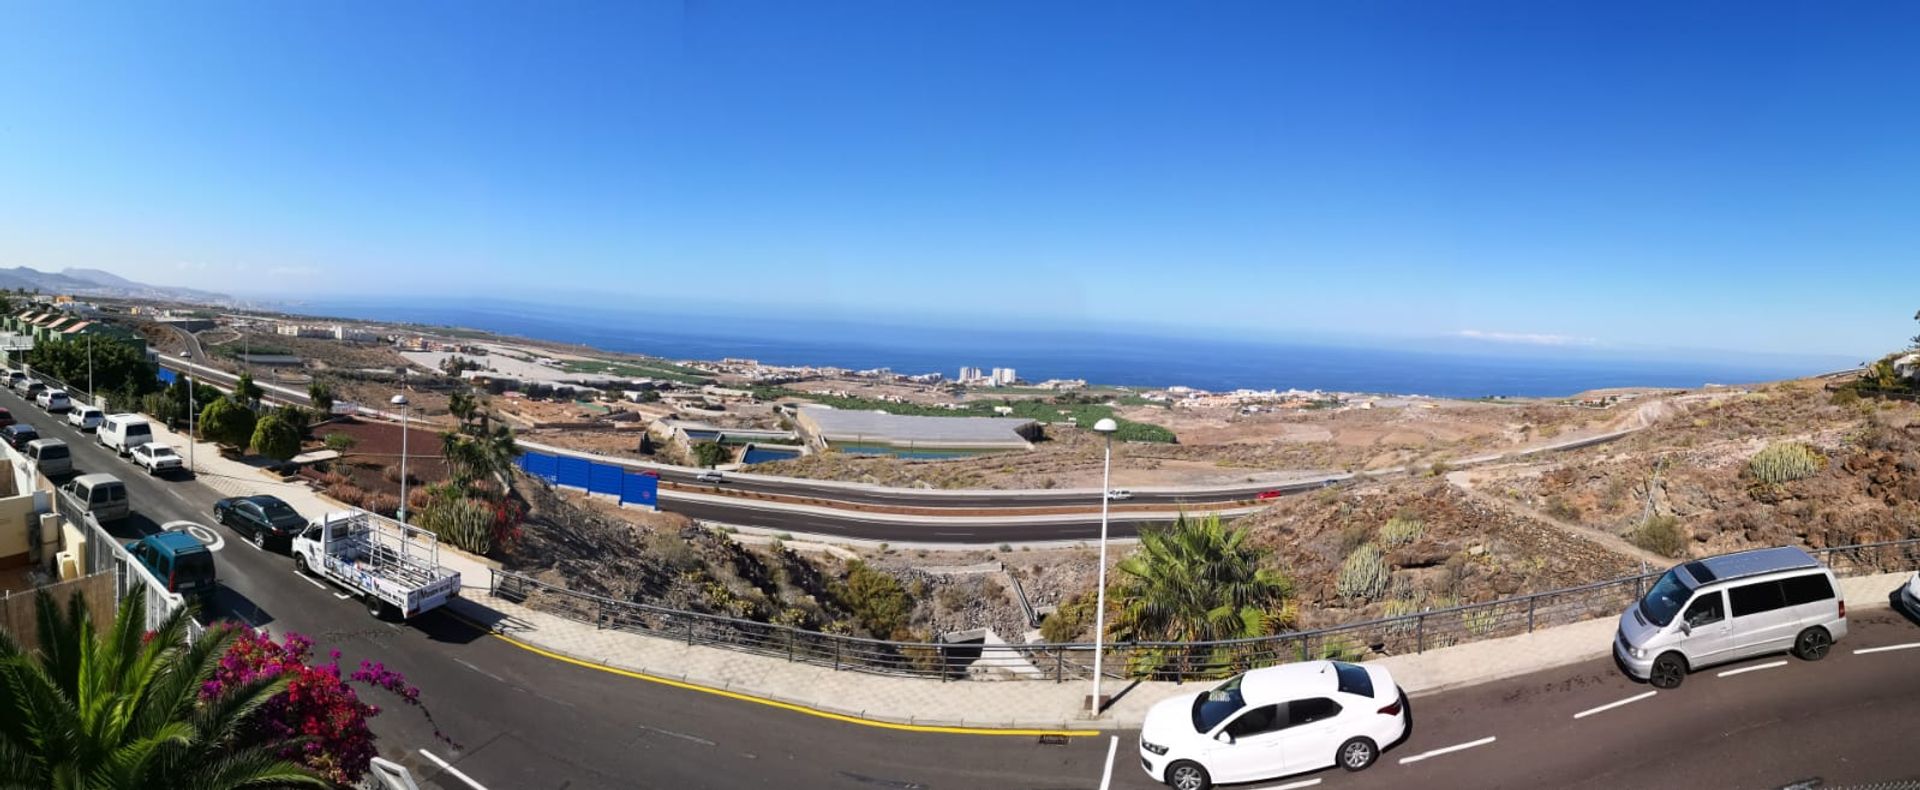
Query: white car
x=1119, y=494
x=1272, y=722
x=1910, y=595
x=157, y=458
x=53, y=400
x=86, y=418
x=710, y=477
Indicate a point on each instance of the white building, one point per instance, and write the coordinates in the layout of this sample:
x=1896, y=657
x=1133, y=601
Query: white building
x=1004, y=376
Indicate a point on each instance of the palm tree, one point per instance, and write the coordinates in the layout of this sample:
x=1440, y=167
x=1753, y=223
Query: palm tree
x=1196, y=581
x=123, y=710
x=462, y=406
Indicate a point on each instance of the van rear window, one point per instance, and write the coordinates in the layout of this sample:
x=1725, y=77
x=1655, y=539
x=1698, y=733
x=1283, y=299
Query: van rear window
x=194, y=566
x=139, y=429
x=53, y=451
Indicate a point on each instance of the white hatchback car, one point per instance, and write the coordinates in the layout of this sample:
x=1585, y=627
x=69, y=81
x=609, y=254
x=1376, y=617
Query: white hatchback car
x=1910, y=595
x=86, y=418
x=1274, y=722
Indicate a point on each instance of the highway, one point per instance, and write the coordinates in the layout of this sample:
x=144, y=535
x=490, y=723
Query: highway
x=512, y=718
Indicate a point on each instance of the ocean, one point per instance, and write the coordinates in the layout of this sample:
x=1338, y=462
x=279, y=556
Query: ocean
x=1213, y=363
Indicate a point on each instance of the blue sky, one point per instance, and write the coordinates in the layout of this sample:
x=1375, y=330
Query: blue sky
x=1736, y=176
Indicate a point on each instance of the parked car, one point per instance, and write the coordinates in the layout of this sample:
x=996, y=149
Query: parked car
x=21, y=383
x=1910, y=595
x=261, y=518
x=1274, y=722
x=33, y=389
x=86, y=418
x=183, y=564
x=14, y=376
x=1271, y=493
x=1731, y=607
x=6, y=417
x=102, y=495
x=51, y=456
x=157, y=458
x=18, y=435
x=1119, y=494
x=710, y=477
x=53, y=400
x=123, y=432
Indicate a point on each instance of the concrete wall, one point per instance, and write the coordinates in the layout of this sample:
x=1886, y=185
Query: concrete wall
x=17, y=611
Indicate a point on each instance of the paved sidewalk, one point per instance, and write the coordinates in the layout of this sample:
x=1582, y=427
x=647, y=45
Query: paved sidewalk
x=918, y=702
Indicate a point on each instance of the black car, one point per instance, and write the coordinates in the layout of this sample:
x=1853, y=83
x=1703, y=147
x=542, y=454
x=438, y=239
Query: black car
x=260, y=517
x=18, y=434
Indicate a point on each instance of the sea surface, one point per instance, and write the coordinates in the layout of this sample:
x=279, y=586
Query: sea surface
x=1101, y=357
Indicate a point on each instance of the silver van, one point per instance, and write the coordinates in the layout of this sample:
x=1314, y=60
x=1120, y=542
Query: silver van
x=102, y=495
x=51, y=456
x=1731, y=607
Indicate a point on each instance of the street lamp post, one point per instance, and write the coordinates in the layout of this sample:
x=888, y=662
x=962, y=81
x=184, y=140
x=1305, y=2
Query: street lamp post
x=1105, y=427
x=401, y=401
x=191, y=437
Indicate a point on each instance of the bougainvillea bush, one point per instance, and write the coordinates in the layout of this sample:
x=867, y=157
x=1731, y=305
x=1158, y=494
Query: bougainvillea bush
x=320, y=715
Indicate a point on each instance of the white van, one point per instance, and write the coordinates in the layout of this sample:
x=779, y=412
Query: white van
x=104, y=496
x=1731, y=607
x=123, y=432
x=51, y=456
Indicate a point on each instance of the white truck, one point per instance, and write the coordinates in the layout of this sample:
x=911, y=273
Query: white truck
x=392, y=567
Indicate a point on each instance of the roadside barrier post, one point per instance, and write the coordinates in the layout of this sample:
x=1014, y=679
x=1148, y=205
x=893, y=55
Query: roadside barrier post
x=1531, y=599
x=1420, y=633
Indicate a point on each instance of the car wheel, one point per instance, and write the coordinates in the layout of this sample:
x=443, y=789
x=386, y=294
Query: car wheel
x=1812, y=644
x=300, y=565
x=1668, y=671
x=1358, y=753
x=259, y=539
x=376, y=607
x=1188, y=775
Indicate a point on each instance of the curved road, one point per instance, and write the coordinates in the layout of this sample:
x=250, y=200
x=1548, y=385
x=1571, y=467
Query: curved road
x=515, y=719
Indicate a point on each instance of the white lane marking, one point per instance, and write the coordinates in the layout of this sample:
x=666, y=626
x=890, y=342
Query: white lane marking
x=1907, y=646
x=462, y=662
x=680, y=735
x=342, y=596
x=1611, y=705
x=314, y=582
x=1437, y=752
x=1291, y=785
x=1751, y=668
x=1106, y=777
x=452, y=771
x=249, y=544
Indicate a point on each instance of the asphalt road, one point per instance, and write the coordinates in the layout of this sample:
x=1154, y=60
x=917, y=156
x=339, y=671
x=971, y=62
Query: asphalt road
x=849, y=524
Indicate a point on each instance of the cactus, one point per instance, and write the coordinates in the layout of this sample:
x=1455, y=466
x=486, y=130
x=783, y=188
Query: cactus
x=1401, y=531
x=1363, y=574
x=1785, y=461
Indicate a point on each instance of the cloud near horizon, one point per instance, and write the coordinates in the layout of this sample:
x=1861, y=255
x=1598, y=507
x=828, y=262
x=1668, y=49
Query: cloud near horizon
x=1529, y=338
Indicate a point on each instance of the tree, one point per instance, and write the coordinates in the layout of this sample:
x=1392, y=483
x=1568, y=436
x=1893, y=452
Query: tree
x=116, y=365
x=276, y=438
x=710, y=454
x=1195, y=581
x=462, y=406
x=876, y=598
x=124, y=708
x=226, y=421
x=247, y=391
x=320, y=396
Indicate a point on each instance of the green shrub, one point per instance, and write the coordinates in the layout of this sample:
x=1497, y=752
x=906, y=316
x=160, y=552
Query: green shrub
x=1558, y=507
x=340, y=442
x=1400, y=531
x=1364, y=573
x=1070, y=622
x=1784, y=462
x=876, y=598
x=464, y=522
x=1661, y=535
x=227, y=422
x=276, y=438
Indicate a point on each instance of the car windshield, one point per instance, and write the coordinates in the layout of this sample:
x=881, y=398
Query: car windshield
x=1215, y=706
x=1665, y=599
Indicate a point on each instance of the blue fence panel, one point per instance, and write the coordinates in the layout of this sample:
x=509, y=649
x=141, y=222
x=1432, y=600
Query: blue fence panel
x=572, y=471
x=603, y=479
x=640, y=489
x=539, y=465
x=166, y=376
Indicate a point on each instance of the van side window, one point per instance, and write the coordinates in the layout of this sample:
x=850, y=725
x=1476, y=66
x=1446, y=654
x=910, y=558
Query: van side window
x=1706, y=610
x=1756, y=598
x=1807, y=589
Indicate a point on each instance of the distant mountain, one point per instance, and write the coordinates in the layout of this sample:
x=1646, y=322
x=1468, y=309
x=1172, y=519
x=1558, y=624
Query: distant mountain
x=93, y=282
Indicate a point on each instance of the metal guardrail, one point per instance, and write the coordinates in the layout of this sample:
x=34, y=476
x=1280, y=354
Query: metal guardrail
x=1179, y=661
